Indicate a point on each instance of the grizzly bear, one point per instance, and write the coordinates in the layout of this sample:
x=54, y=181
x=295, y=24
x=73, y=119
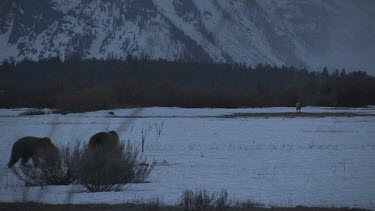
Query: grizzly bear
x=34, y=148
x=106, y=140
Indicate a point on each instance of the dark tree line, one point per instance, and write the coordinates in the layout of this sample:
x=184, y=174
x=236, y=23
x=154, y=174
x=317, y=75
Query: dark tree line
x=82, y=85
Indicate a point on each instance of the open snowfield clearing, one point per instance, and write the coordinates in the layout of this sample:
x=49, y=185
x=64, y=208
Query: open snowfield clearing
x=312, y=160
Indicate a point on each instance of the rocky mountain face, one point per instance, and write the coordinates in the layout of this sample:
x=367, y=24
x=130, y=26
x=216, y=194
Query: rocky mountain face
x=313, y=34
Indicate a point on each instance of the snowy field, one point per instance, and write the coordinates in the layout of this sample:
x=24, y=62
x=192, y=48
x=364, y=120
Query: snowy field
x=328, y=161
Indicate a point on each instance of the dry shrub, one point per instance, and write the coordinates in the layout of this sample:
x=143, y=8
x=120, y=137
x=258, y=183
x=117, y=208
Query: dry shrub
x=99, y=169
x=142, y=171
x=103, y=169
x=221, y=200
x=198, y=200
x=203, y=200
x=33, y=112
x=248, y=204
x=48, y=168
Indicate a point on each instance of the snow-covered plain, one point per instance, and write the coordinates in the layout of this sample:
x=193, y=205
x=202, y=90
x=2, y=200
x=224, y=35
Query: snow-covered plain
x=307, y=161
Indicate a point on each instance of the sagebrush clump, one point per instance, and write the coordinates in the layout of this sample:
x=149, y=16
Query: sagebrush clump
x=97, y=169
x=203, y=200
x=52, y=168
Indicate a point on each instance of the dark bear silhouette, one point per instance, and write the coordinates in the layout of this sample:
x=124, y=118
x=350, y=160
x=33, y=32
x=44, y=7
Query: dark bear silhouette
x=34, y=148
x=107, y=140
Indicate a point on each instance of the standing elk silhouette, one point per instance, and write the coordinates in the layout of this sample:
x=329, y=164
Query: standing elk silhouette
x=298, y=107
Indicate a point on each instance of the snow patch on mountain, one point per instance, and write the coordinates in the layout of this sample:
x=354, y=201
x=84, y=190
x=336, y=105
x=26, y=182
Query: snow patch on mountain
x=303, y=33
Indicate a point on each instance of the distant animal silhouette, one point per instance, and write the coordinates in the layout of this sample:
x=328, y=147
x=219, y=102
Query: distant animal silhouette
x=34, y=148
x=298, y=107
x=112, y=113
x=107, y=140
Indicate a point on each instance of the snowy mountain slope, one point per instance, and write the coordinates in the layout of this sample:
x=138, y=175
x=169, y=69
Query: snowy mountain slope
x=334, y=33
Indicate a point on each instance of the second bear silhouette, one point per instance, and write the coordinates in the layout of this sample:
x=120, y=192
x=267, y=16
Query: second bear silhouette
x=106, y=140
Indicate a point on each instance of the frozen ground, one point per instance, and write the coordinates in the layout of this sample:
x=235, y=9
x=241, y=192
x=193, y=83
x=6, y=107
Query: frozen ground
x=275, y=161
